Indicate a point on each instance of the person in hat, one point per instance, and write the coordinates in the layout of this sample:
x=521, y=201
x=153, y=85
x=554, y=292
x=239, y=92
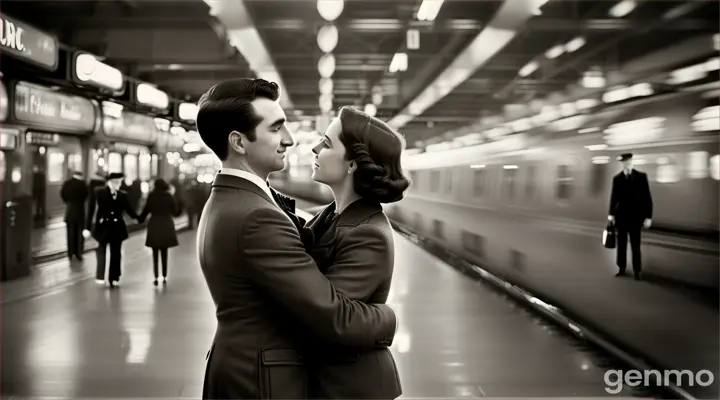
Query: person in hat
x=109, y=227
x=74, y=193
x=631, y=209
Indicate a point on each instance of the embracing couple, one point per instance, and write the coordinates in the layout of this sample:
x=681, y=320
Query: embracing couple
x=299, y=306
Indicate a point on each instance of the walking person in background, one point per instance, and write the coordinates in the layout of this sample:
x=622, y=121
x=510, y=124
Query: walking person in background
x=162, y=207
x=109, y=227
x=631, y=209
x=74, y=193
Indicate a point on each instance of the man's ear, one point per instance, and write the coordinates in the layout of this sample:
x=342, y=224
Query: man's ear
x=236, y=141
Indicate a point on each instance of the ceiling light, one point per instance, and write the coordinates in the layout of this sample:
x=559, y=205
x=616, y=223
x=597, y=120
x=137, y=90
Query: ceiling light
x=575, y=44
x=622, y=8
x=555, y=51
x=429, y=10
x=330, y=10
x=325, y=85
x=327, y=38
x=326, y=65
x=528, y=69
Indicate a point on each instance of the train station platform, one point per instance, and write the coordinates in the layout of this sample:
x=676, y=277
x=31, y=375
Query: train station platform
x=50, y=241
x=458, y=337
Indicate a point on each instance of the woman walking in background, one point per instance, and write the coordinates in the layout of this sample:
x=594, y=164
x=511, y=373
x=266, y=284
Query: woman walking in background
x=161, y=235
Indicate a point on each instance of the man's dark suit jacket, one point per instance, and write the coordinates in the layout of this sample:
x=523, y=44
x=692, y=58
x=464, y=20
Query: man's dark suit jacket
x=630, y=201
x=109, y=223
x=74, y=193
x=362, y=233
x=264, y=284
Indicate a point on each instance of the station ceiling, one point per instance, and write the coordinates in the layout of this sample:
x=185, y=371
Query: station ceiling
x=184, y=49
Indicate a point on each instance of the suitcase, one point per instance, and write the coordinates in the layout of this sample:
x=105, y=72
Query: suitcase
x=610, y=237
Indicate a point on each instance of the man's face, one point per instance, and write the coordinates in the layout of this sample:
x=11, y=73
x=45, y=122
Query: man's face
x=267, y=153
x=114, y=184
x=627, y=164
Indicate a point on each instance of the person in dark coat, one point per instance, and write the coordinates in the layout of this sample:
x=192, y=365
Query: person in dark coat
x=74, y=193
x=631, y=209
x=359, y=159
x=161, y=235
x=109, y=227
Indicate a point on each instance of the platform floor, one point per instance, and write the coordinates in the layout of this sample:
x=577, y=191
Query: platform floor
x=457, y=337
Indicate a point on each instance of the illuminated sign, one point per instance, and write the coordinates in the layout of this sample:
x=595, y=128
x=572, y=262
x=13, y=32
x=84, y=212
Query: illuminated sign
x=42, y=107
x=25, y=42
x=89, y=70
x=638, y=131
x=43, y=139
x=149, y=95
x=132, y=126
x=187, y=111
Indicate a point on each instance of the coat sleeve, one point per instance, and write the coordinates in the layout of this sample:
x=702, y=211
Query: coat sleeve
x=363, y=261
x=613, y=198
x=277, y=262
x=648, y=197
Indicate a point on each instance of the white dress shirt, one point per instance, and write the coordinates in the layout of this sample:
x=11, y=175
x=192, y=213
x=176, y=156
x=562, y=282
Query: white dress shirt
x=252, y=178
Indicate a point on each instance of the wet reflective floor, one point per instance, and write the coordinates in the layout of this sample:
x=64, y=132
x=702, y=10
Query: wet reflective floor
x=457, y=337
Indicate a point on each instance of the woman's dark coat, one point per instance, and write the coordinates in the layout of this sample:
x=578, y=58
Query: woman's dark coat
x=162, y=207
x=365, y=274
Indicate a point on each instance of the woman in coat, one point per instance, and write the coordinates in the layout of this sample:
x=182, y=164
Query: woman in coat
x=161, y=235
x=351, y=241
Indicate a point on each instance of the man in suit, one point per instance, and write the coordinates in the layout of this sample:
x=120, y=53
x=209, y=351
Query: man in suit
x=109, y=228
x=631, y=208
x=74, y=193
x=267, y=290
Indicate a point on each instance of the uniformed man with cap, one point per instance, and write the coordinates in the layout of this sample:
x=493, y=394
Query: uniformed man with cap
x=109, y=227
x=631, y=209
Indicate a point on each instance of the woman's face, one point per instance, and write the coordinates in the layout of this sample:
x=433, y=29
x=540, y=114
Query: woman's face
x=331, y=167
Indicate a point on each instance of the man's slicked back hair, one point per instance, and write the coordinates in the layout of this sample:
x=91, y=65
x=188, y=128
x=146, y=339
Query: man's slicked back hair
x=226, y=107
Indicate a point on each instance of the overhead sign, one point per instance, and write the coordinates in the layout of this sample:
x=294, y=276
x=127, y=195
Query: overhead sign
x=41, y=107
x=132, y=126
x=28, y=43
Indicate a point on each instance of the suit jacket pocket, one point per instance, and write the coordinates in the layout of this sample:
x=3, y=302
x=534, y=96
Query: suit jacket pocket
x=283, y=374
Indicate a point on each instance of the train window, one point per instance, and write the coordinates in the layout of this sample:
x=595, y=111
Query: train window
x=509, y=175
x=114, y=162
x=448, y=181
x=473, y=243
x=56, y=165
x=418, y=222
x=131, y=168
x=434, y=181
x=668, y=170
x=75, y=162
x=144, y=167
x=564, y=182
x=154, y=164
x=530, y=181
x=697, y=163
x=715, y=167
x=478, y=180
x=597, y=178
x=438, y=229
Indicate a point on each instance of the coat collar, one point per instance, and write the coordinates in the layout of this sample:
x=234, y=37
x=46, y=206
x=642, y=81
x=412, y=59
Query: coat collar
x=355, y=213
x=235, y=182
